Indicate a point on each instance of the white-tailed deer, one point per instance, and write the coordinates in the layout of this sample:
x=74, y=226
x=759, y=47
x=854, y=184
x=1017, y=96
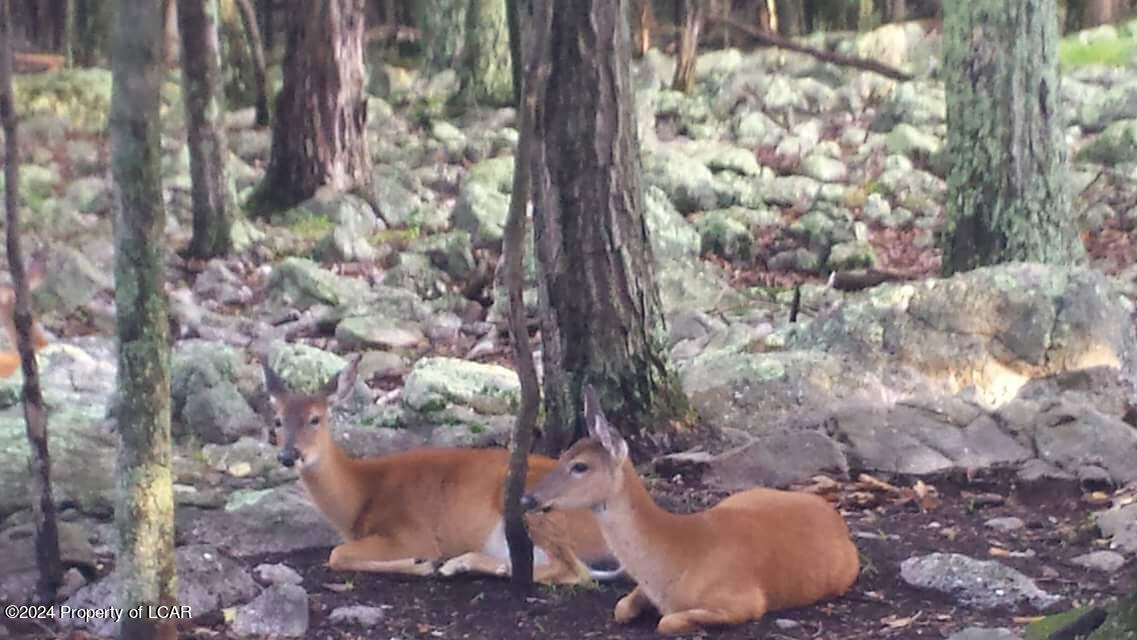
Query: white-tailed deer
x=757, y=551
x=10, y=360
x=410, y=511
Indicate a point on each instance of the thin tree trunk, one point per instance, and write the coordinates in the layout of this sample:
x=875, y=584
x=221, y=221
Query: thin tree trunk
x=442, y=25
x=486, y=75
x=515, y=56
x=766, y=18
x=513, y=246
x=1008, y=190
x=791, y=17
x=645, y=26
x=601, y=320
x=1099, y=12
x=145, y=509
x=257, y=53
x=268, y=24
x=319, y=125
x=213, y=208
x=68, y=43
x=684, y=80
x=170, y=43
x=35, y=417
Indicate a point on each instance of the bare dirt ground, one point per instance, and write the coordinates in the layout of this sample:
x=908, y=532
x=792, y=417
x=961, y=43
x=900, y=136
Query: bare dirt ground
x=946, y=514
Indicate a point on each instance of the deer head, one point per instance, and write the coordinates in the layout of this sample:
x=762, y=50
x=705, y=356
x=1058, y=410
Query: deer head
x=588, y=473
x=300, y=421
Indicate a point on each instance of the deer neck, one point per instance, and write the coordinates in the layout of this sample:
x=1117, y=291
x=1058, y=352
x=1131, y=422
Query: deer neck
x=333, y=484
x=640, y=534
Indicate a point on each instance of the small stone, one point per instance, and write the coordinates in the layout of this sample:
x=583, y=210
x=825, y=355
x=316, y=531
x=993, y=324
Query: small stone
x=785, y=624
x=1005, y=525
x=984, y=584
x=73, y=580
x=357, y=614
x=276, y=574
x=984, y=633
x=1104, y=561
x=281, y=611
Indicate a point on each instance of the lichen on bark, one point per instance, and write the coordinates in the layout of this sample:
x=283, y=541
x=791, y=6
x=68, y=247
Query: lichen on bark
x=1008, y=188
x=487, y=75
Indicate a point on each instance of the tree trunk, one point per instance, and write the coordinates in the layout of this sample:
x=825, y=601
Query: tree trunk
x=791, y=17
x=1008, y=190
x=645, y=26
x=170, y=42
x=145, y=508
x=268, y=25
x=1099, y=12
x=94, y=22
x=513, y=249
x=1121, y=624
x=516, y=58
x=896, y=11
x=35, y=417
x=319, y=125
x=487, y=73
x=205, y=128
x=765, y=17
x=68, y=39
x=442, y=25
x=684, y=79
x=257, y=53
x=601, y=318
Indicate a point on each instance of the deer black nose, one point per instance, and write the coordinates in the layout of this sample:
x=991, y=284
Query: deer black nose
x=528, y=503
x=287, y=457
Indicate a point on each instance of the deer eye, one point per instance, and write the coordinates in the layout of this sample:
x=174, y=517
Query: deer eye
x=278, y=423
x=314, y=421
x=578, y=467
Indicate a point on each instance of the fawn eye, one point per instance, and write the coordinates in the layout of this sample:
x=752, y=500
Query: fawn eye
x=578, y=467
x=314, y=421
x=278, y=423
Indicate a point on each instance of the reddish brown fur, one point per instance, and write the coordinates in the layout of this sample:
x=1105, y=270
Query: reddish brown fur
x=10, y=359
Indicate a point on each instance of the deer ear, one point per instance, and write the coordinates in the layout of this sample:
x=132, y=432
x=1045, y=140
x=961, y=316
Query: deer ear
x=339, y=387
x=36, y=272
x=599, y=428
x=273, y=384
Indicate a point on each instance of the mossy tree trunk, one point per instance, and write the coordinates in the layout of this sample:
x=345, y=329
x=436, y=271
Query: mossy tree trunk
x=442, y=24
x=601, y=320
x=1008, y=191
x=213, y=204
x=319, y=133
x=487, y=75
x=693, y=16
x=18, y=308
x=144, y=510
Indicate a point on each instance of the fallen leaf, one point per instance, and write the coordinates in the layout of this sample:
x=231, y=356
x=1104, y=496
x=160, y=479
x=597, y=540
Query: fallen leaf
x=1096, y=498
x=228, y=614
x=999, y=552
x=338, y=587
x=240, y=469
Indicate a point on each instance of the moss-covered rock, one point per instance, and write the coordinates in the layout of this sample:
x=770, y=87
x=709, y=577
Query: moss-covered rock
x=434, y=384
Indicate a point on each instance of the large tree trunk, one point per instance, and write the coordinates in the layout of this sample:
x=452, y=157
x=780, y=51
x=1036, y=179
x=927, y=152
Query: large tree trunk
x=684, y=79
x=1098, y=12
x=442, y=24
x=145, y=508
x=257, y=54
x=601, y=317
x=205, y=128
x=17, y=312
x=1008, y=192
x=320, y=121
x=487, y=74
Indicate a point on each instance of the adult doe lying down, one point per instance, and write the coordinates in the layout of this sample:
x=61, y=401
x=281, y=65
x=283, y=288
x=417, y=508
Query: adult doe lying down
x=407, y=512
x=757, y=551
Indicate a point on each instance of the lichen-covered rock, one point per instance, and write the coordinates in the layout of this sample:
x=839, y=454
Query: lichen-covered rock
x=255, y=522
x=205, y=399
x=415, y=272
x=280, y=611
x=823, y=168
x=1116, y=145
x=851, y=255
x=377, y=331
x=20, y=579
x=985, y=584
x=436, y=383
x=688, y=183
x=481, y=211
x=452, y=252
x=301, y=283
x=725, y=235
x=72, y=279
x=672, y=237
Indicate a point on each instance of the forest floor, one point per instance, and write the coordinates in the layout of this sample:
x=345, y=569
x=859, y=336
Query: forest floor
x=892, y=520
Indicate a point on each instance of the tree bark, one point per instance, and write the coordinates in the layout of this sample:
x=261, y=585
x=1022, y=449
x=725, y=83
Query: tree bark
x=1121, y=623
x=1099, y=12
x=487, y=73
x=266, y=14
x=645, y=26
x=170, y=43
x=684, y=79
x=35, y=416
x=319, y=125
x=601, y=320
x=442, y=25
x=257, y=53
x=145, y=509
x=1008, y=191
x=516, y=58
x=791, y=17
x=205, y=128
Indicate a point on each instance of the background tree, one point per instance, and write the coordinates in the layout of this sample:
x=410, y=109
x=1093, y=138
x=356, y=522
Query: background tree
x=35, y=417
x=442, y=25
x=144, y=512
x=257, y=53
x=487, y=74
x=694, y=12
x=601, y=316
x=213, y=204
x=1008, y=192
x=319, y=125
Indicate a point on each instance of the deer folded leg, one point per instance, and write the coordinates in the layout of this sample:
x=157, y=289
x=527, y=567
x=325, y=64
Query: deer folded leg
x=631, y=606
x=730, y=611
x=376, y=554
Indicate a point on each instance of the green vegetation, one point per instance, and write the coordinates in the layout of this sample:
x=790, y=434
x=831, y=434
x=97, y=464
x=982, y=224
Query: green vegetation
x=1073, y=53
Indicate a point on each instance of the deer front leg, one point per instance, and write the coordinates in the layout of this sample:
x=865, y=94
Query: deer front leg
x=631, y=606
x=376, y=554
x=732, y=611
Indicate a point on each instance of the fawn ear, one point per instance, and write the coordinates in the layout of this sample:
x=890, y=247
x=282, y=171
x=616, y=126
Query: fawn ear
x=273, y=382
x=599, y=428
x=338, y=388
x=36, y=272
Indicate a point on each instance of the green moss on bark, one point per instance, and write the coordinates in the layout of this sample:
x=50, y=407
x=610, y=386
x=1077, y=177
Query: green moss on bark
x=487, y=76
x=1008, y=189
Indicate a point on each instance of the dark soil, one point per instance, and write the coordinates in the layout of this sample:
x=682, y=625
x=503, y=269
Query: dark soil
x=889, y=527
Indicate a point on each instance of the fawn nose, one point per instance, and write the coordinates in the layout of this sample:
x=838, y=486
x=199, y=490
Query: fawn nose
x=528, y=503
x=287, y=457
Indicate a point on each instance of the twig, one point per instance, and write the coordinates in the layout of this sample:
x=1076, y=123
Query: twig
x=772, y=40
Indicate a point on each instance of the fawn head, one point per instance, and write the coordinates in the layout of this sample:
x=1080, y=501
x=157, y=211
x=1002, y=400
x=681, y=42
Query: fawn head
x=588, y=473
x=300, y=420
x=35, y=273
